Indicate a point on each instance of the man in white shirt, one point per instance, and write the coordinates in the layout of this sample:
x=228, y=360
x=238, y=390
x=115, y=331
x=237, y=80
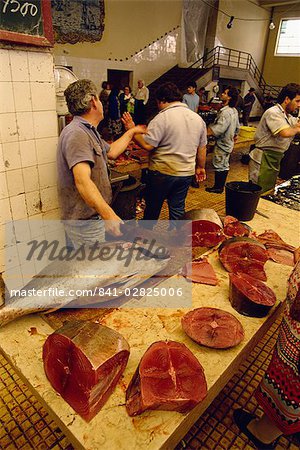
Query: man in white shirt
x=141, y=97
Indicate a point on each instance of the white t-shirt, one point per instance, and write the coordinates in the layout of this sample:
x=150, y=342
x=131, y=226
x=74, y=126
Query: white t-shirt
x=176, y=133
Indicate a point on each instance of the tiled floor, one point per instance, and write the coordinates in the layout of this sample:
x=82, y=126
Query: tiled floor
x=26, y=425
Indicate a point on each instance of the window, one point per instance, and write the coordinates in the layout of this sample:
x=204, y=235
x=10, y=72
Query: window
x=288, y=39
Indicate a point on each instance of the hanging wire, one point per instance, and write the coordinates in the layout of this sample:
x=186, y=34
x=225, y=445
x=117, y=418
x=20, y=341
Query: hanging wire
x=242, y=18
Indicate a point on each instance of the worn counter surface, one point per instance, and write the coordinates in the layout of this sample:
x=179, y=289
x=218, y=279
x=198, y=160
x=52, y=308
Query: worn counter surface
x=112, y=428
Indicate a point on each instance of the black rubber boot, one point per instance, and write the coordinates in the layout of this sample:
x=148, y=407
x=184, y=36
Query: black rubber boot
x=220, y=179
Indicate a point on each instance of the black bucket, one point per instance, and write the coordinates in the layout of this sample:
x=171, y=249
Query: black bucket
x=125, y=202
x=241, y=199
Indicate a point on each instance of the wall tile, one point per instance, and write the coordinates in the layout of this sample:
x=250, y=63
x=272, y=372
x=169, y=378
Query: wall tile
x=41, y=66
x=23, y=252
x=18, y=207
x=33, y=201
x=22, y=96
x=47, y=175
x=9, y=234
x=43, y=96
x=46, y=150
x=3, y=186
x=11, y=257
x=15, y=183
x=6, y=97
x=2, y=166
x=13, y=278
x=28, y=272
x=2, y=264
x=19, y=65
x=8, y=127
x=28, y=153
x=31, y=179
x=25, y=126
x=36, y=226
x=5, y=69
x=2, y=236
x=49, y=199
x=22, y=230
x=53, y=216
x=45, y=124
x=11, y=156
x=5, y=213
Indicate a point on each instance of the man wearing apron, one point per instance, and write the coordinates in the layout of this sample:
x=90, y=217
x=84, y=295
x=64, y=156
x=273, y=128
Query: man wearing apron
x=274, y=134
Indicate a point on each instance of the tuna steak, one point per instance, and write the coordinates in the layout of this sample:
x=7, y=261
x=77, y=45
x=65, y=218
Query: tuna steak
x=207, y=228
x=271, y=239
x=213, y=327
x=83, y=362
x=169, y=377
x=281, y=256
x=200, y=272
x=244, y=255
x=250, y=296
x=233, y=227
x=278, y=250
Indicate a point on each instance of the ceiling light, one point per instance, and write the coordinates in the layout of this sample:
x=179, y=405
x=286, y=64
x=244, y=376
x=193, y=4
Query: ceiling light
x=272, y=25
x=229, y=25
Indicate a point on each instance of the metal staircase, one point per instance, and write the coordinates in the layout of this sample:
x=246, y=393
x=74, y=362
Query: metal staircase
x=217, y=57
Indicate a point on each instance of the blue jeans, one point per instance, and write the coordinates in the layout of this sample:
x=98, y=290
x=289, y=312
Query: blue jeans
x=160, y=187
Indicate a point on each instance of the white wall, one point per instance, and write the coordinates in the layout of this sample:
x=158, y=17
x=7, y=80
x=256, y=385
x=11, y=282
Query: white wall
x=246, y=36
x=148, y=64
x=28, y=141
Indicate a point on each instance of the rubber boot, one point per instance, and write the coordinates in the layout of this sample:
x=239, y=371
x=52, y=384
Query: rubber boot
x=220, y=179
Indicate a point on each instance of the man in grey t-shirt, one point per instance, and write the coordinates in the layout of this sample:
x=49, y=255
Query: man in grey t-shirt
x=176, y=140
x=274, y=134
x=83, y=185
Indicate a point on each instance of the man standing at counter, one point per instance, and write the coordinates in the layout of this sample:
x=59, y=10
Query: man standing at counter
x=274, y=134
x=191, y=98
x=84, y=188
x=249, y=99
x=176, y=140
x=224, y=129
x=141, y=96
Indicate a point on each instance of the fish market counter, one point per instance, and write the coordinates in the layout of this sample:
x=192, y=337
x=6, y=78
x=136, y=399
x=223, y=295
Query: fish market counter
x=21, y=342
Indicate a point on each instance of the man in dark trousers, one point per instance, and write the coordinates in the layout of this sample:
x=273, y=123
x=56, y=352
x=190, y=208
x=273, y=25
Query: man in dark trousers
x=176, y=141
x=249, y=99
x=225, y=129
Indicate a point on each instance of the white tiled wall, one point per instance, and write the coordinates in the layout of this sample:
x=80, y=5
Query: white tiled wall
x=28, y=140
x=29, y=134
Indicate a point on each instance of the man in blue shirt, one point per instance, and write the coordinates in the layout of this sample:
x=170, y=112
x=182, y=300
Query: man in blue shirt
x=224, y=129
x=191, y=99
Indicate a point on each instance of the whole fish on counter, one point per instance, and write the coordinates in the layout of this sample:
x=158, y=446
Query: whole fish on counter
x=87, y=280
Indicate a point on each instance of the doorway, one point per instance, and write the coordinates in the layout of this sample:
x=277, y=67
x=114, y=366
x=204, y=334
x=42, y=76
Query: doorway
x=119, y=78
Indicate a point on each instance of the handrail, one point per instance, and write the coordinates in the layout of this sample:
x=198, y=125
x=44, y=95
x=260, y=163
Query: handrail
x=237, y=59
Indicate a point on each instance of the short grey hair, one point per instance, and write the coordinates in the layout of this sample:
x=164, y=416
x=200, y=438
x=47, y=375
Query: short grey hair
x=79, y=95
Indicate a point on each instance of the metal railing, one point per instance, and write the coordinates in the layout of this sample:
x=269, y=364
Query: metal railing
x=223, y=56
